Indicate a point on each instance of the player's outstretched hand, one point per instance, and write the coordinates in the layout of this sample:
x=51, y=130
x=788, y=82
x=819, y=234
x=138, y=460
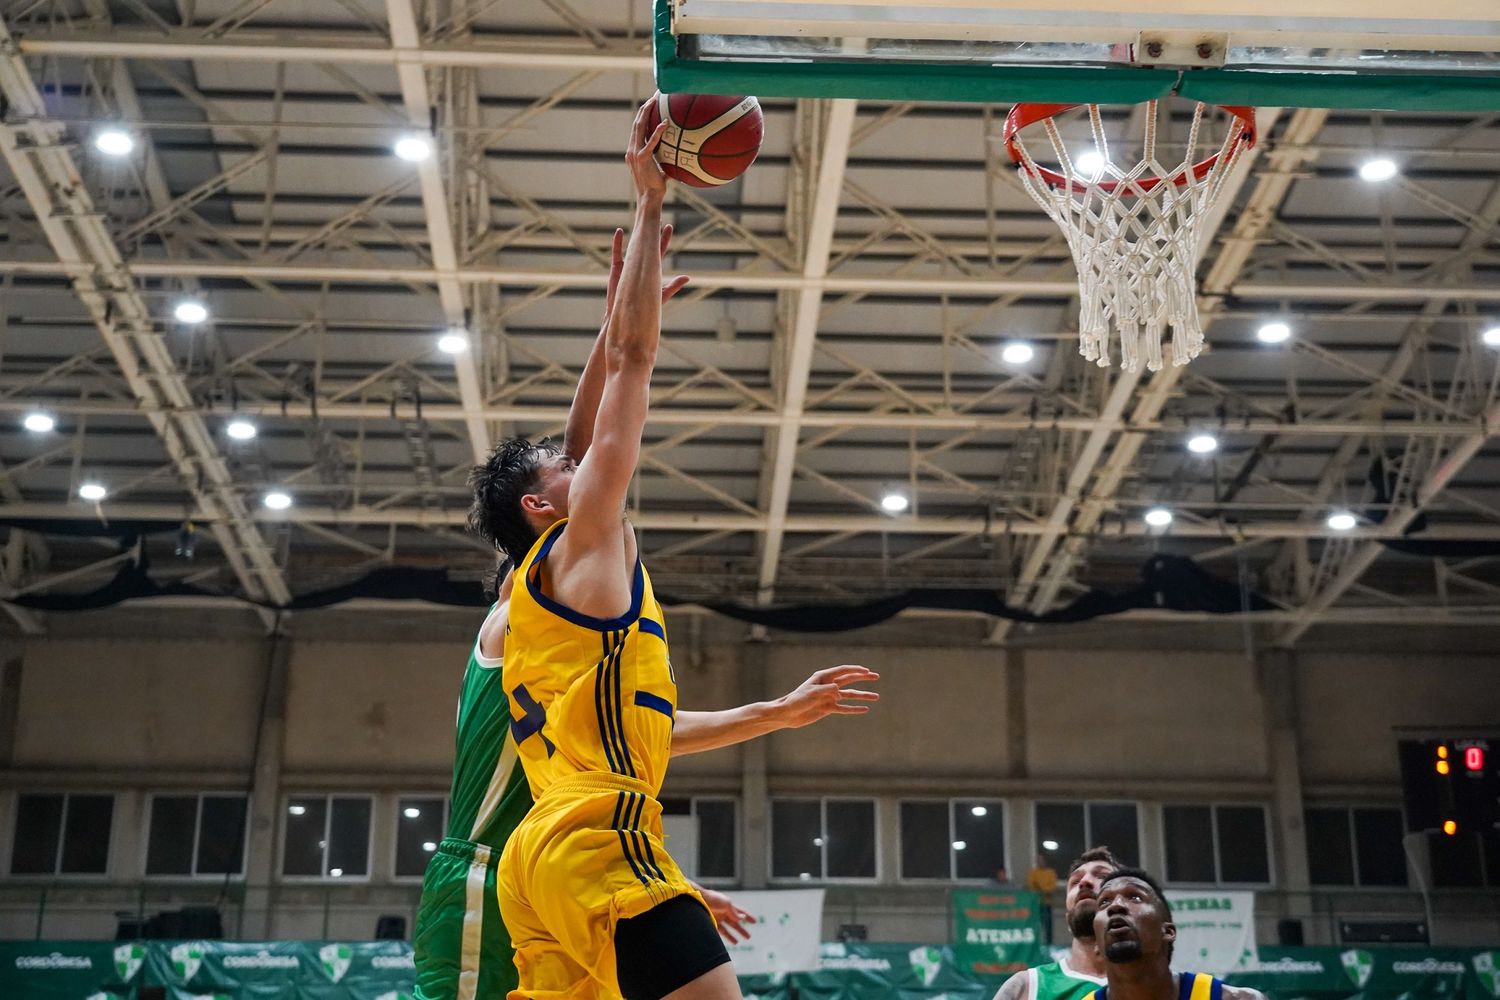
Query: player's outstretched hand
x=730, y=918
x=669, y=288
x=640, y=156
x=826, y=693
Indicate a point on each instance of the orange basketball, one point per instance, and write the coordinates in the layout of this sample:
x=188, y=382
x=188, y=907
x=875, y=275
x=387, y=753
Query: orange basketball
x=710, y=140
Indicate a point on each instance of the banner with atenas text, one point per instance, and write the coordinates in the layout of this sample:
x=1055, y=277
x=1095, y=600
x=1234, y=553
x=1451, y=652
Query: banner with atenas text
x=997, y=931
x=1215, y=931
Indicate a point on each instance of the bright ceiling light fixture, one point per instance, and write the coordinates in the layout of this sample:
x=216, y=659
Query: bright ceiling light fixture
x=1158, y=517
x=114, y=142
x=92, y=491
x=1342, y=520
x=895, y=502
x=1017, y=352
x=1203, y=444
x=413, y=148
x=240, y=430
x=277, y=500
x=190, y=311
x=454, y=342
x=1273, y=333
x=1090, y=163
x=1491, y=337
x=39, y=423
x=1379, y=169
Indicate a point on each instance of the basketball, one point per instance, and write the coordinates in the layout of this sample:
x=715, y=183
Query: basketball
x=710, y=140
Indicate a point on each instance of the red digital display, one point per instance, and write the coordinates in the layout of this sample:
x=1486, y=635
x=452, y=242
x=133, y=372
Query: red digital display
x=1474, y=758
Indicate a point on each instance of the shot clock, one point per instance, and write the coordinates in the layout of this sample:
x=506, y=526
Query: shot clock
x=1451, y=786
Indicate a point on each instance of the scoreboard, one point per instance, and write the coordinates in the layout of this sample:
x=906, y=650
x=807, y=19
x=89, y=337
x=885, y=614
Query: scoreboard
x=1451, y=786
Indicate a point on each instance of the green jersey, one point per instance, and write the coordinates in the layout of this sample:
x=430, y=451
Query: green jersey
x=489, y=796
x=1058, y=981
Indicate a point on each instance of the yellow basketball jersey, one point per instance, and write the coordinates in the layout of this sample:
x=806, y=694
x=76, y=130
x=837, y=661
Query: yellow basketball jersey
x=587, y=694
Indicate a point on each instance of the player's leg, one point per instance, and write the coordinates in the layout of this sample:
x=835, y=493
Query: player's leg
x=437, y=942
x=673, y=950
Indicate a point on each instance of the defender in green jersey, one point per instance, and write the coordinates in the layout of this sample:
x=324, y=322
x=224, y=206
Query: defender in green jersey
x=1080, y=972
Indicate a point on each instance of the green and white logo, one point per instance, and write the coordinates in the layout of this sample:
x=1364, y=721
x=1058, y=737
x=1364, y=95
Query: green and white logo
x=1487, y=967
x=394, y=995
x=128, y=961
x=1358, y=965
x=187, y=959
x=336, y=959
x=926, y=963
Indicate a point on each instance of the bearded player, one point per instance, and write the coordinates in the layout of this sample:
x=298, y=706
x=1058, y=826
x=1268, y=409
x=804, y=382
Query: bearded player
x=1081, y=971
x=1134, y=931
x=462, y=950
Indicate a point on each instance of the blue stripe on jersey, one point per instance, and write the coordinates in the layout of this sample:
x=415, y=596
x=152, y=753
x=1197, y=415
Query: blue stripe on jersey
x=624, y=842
x=617, y=670
x=653, y=627
x=601, y=707
x=637, y=592
x=656, y=703
x=643, y=847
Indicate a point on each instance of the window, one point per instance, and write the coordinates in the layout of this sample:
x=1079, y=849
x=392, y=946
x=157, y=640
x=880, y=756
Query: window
x=1217, y=844
x=1355, y=847
x=62, y=834
x=327, y=836
x=197, y=835
x=823, y=838
x=1064, y=830
x=953, y=839
x=420, y=822
x=718, y=834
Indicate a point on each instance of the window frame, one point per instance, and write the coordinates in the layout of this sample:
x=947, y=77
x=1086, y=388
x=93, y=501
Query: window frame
x=1213, y=815
x=823, y=879
x=396, y=819
x=1348, y=809
x=62, y=832
x=325, y=878
x=952, y=803
x=199, y=796
x=1089, y=838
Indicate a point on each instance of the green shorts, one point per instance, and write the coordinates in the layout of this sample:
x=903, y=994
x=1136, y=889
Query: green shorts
x=462, y=950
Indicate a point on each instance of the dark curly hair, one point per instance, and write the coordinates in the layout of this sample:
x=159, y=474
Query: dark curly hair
x=498, y=486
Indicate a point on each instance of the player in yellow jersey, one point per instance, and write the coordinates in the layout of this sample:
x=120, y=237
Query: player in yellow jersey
x=594, y=904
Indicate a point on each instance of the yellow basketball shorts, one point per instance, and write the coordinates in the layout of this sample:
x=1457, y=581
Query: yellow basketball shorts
x=588, y=855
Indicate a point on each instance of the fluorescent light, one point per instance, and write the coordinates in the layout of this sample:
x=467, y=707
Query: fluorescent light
x=1049, y=845
x=817, y=841
x=114, y=142
x=190, y=311
x=1203, y=444
x=277, y=500
x=1379, y=169
x=336, y=872
x=895, y=502
x=1017, y=352
x=92, y=491
x=979, y=811
x=453, y=342
x=411, y=812
x=805, y=876
x=1491, y=337
x=959, y=845
x=240, y=430
x=429, y=846
x=1158, y=517
x=296, y=810
x=39, y=423
x=1342, y=520
x=1090, y=163
x=413, y=148
x=1273, y=333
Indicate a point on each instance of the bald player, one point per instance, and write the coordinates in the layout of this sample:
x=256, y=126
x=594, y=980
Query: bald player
x=1134, y=931
x=1081, y=971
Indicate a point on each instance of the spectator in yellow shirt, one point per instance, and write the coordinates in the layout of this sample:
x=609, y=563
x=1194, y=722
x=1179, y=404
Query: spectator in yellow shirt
x=1042, y=880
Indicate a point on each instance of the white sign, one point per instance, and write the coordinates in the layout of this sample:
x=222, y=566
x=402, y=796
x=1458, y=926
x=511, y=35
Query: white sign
x=1215, y=931
x=785, y=935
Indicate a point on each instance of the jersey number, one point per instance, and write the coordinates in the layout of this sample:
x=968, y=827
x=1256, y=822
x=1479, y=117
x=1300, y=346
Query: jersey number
x=530, y=724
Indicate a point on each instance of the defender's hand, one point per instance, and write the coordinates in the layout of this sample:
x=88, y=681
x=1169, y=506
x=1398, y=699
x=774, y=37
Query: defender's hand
x=826, y=693
x=730, y=918
x=669, y=287
x=640, y=156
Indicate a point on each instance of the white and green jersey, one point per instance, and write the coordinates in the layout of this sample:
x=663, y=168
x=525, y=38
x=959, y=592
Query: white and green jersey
x=1059, y=981
x=489, y=795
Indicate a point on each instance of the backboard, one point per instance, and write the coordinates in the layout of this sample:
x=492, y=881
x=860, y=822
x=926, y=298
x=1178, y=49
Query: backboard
x=1391, y=54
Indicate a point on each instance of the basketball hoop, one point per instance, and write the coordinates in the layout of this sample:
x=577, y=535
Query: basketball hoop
x=1133, y=232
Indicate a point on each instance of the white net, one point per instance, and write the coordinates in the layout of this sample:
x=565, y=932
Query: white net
x=1133, y=234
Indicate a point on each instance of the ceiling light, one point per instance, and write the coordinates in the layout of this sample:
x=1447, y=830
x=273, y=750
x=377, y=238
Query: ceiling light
x=296, y=810
x=1203, y=444
x=336, y=872
x=895, y=502
x=817, y=841
x=1491, y=337
x=1049, y=845
x=413, y=148
x=190, y=311
x=92, y=491
x=1273, y=333
x=1342, y=520
x=979, y=811
x=114, y=142
x=959, y=845
x=453, y=342
x=1017, y=352
x=39, y=423
x=1380, y=169
x=240, y=430
x=1090, y=163
x=411, y=812
x=277, y=500
x=429, y=846
x=1158, y=517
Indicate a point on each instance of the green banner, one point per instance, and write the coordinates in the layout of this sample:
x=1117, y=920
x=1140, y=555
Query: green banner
x=997, y=932
x=71, y=970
